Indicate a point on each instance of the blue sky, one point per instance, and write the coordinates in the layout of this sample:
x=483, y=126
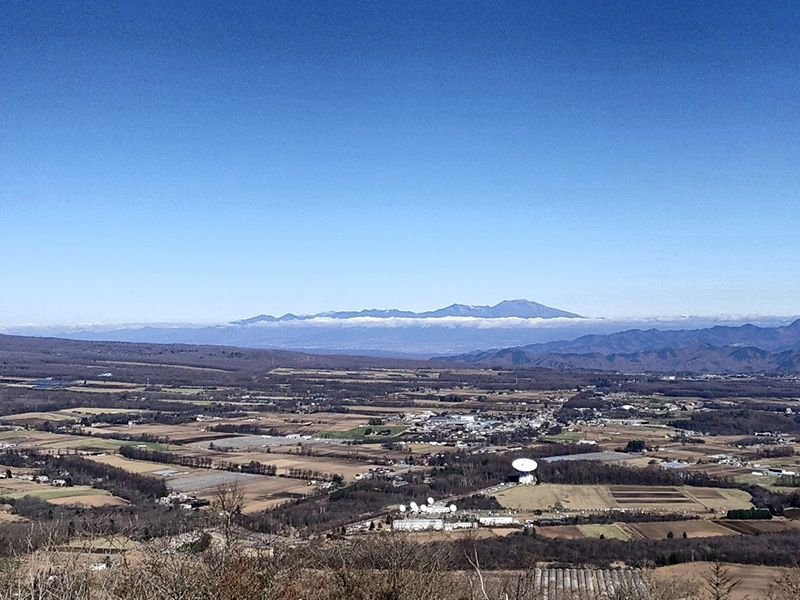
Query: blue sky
x=206, y=161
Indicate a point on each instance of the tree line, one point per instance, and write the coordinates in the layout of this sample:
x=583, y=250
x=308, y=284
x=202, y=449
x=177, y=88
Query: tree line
x=135, y=487
x=775, y=549
x=739, y=422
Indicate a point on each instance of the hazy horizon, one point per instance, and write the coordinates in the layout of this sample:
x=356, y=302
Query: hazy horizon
x=418, y=337
x=320, y=319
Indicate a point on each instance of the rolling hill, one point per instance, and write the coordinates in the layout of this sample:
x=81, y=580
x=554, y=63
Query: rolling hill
x=744, y=349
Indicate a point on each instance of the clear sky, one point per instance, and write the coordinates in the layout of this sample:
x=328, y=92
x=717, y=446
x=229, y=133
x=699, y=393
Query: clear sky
x=206, y=161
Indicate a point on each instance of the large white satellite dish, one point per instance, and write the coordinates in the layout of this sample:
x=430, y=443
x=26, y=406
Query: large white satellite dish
x=414, y=507
x=525, y=465
x=430, y=500
x=403, y=508
x=452, y=508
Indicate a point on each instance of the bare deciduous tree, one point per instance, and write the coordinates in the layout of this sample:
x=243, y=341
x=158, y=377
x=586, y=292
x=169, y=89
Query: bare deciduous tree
x=386, y=566
x=227, y=502
x=786, y=586
x=653, y=586
x=719, y=582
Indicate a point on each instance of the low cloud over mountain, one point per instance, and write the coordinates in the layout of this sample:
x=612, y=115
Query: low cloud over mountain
x=523, y=309
x=453, y=330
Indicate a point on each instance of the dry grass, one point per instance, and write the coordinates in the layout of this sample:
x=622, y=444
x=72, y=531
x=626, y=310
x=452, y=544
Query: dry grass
x=693, y=529
x=608, y=531
x=546, y=495
x=261, y=493
x=79, y=494
x=90, y=500
x=599, y=497
x=754, y=579
x=7, y=517
x=347, y=468
x=134, y=466
x=570, y=532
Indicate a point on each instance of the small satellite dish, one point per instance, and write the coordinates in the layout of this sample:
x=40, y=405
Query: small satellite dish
x=453, y=508
x=525, y=465
x=430, y=500
x=414, y=507
x=402, y=508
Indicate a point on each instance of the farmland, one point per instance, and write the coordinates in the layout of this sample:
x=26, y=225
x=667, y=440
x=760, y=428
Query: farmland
x=79, y=494
x=331, y=451
x=693, y=528
x=557, y=497
x=660, y=531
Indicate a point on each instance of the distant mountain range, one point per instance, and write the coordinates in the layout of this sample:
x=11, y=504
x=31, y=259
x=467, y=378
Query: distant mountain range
x=523, y=309
x=521, y=332
x=638, y=340
x=773, y=349
x=744, y=349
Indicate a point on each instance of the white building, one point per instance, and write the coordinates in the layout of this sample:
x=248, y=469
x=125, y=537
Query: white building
x=418, y=525
x=496, y=521
x=781, y=472
x=437, y=509
x=460, y=525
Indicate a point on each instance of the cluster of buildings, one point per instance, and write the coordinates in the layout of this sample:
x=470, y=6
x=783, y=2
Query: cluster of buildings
x=184, y=501
x=461, y=430
x=56, y=482
x=442, y=524
x=384, y=473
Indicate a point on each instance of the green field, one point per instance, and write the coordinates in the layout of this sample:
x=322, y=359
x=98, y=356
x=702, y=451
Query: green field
x=111, y=445
x=359, y=433
x=765, y=481
x=84, y=411
x=39, y=416
x=49, y=493
x=567, y=436
x=762, y=480
x=610, y=531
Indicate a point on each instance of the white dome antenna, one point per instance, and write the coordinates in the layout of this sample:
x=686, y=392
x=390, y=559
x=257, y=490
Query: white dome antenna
x=526, y=468
x=525, y=465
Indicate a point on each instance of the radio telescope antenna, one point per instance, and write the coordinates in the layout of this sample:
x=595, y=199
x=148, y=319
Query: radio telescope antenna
x=526, y=467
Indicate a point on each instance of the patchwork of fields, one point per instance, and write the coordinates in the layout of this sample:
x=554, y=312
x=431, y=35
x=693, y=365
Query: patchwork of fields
x=260, y=491
x=286, y=440
x=698, y=528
